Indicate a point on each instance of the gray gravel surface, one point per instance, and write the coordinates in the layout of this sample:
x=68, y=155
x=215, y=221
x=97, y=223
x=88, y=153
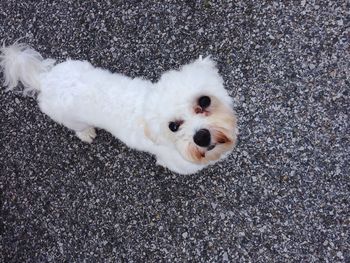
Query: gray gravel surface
x=282, y=196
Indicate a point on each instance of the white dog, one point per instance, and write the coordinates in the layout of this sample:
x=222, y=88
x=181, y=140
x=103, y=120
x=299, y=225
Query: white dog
x=185, y=119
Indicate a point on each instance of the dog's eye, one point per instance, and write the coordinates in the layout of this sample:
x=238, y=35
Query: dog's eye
x=175, y=125
x=204, y=102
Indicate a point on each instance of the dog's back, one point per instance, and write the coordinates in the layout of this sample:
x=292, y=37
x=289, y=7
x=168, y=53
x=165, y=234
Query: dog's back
x=77, y=94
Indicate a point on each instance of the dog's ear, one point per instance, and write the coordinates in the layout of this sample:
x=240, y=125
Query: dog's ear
x=207, y=61
x=203, y=69
x=148, y=132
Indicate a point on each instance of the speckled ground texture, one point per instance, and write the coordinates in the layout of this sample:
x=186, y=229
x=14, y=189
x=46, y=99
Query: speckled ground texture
x=282, y=196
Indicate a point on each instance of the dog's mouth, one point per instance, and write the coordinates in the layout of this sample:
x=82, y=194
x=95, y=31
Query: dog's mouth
x=211, y=147
x=203, y=155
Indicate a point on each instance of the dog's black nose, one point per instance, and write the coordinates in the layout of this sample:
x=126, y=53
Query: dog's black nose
x=202, y=138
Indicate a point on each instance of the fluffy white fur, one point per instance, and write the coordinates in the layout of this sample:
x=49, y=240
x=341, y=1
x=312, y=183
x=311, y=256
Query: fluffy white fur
x=136, y=111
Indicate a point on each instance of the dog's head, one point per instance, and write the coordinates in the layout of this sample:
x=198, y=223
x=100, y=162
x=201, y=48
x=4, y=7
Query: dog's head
x=190, y=110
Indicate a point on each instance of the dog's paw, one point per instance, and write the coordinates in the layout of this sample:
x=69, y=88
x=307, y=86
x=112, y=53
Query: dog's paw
x=87, y=135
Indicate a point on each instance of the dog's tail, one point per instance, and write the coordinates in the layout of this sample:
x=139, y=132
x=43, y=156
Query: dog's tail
x=19, y=62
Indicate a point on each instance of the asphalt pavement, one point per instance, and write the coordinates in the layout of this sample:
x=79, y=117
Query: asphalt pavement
x=281, y=196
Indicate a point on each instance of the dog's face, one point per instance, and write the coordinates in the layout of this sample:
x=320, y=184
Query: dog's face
x=193, y=113
x=204, y=130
